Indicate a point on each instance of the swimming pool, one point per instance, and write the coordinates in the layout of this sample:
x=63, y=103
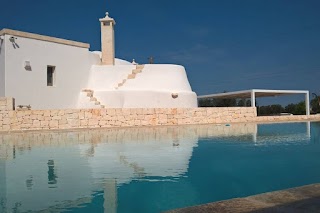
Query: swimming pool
x=153, y=169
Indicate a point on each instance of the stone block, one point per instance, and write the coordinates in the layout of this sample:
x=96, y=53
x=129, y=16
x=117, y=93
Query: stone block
x=54, y=113
x=6, y=121
x=93, y=122
x=44, y=123
x=163, y=117
x=84, y=123
x=53, y=124
x=126, y=112
x=74, y=123
x=102, y=123
x=6, y=127
x=36, y=124
x=137, y=122
x=96, y=113
x=88, y=115
x=144, y=122
x=63, y=121
x=111, y=112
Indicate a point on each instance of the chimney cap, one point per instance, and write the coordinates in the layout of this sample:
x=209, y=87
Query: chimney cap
x=107, y=19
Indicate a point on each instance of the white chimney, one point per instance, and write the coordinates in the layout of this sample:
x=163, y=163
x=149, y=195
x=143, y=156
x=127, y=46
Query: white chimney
x=107, y=40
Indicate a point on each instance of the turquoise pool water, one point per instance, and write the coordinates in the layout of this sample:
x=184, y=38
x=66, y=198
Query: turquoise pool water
x=153, y=169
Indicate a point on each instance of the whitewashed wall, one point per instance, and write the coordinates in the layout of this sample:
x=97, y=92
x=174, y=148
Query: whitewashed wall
x=107, y=77
x=152, y=88
x=146, y=99
x=160, y=77
x=77, y=68
x=30, y=87
x=2, y=68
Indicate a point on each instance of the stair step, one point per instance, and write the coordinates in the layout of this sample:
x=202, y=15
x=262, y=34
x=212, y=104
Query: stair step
x=97, y=103
x=103, y=106
x=90, y=94
x=140, y=66
x=87, y=90
x=131, y=76
x=93, y=99
x=136, y=71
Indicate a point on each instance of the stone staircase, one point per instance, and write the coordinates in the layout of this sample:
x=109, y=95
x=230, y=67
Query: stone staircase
x=133, y=75
x=93, y=99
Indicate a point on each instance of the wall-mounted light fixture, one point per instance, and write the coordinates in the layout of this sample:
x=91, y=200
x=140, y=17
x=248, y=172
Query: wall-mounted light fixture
x=12, y=39
x=27, y=65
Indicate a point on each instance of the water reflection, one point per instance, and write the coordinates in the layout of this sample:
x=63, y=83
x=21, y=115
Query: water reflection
x=59, y=170
x=52, y=177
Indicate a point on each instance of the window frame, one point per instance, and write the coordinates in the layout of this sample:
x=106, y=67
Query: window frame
x=53, y=76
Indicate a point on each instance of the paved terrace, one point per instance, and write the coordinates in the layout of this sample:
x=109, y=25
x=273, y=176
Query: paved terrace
x=301, y=199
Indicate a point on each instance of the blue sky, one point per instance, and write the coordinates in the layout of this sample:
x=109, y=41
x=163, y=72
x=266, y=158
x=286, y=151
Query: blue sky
x=224, y=45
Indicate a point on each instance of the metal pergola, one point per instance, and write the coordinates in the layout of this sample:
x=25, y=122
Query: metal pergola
x=258, y=93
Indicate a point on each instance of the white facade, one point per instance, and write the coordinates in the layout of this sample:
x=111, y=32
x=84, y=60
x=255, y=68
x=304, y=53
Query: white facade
x=153, y=87
x=79, y=78
x=72, y=65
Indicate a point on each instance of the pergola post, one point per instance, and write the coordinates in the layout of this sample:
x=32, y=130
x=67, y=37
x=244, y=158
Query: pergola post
x=307, y=103
x=253, y=98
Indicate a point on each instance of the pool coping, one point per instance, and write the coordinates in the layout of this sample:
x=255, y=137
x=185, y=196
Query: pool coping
x=299, y=199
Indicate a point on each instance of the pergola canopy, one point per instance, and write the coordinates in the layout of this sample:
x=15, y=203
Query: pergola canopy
x=258, y=93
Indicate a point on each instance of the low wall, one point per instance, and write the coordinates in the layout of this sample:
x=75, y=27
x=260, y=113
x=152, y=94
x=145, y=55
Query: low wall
x=94, y=118
x=11, y=120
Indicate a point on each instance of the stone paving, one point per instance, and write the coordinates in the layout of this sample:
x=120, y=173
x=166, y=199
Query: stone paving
x=300, y=199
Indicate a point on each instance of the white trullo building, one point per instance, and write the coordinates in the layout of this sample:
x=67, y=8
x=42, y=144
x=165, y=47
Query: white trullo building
x=53, y=73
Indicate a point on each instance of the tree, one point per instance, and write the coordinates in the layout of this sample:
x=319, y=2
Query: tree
x=270, y=109
x=315, y=104
x=296, y=109
x=300, y=109
x=205, y=102
x=290, y=108
x=241, y=103
x=210, y=102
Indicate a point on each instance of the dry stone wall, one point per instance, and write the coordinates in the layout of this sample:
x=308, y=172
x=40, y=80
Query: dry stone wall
x=11, y=120
x=6, y=104
x=95, y=118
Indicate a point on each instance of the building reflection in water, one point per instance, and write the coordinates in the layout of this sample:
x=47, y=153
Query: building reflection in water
x=52, y=177
x=70, y=166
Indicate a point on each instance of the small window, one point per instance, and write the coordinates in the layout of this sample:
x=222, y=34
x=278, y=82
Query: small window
x=51, y=76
